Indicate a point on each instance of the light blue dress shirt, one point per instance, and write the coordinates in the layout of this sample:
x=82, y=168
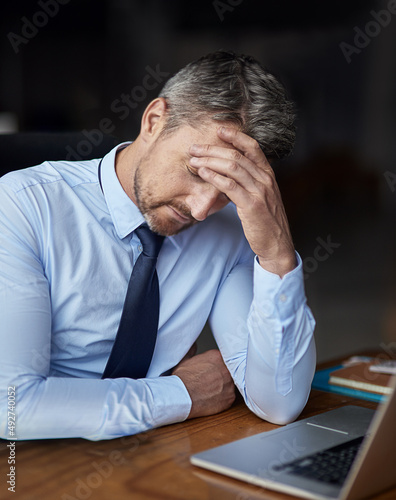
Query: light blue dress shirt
x=66, y=254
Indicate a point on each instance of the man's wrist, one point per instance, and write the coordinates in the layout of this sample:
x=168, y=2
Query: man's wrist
x=172, y=402
x=280, y=266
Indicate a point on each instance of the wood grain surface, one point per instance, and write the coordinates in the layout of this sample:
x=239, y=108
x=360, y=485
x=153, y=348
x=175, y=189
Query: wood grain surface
x=153, y=465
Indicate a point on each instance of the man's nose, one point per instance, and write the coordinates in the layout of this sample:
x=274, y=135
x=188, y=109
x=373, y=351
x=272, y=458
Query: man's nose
x=204, y=202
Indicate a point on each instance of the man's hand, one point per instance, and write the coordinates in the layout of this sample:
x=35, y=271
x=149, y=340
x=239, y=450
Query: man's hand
x=244, y=175
x=208, y=383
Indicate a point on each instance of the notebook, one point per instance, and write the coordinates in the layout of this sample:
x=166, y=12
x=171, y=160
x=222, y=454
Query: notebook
x=359, y=376
x=303, y=458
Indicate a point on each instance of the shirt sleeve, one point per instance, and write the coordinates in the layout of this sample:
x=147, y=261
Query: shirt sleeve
x=59, y=407
x=264, y=330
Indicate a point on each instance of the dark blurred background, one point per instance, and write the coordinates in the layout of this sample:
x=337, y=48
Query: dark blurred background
x=68, y=65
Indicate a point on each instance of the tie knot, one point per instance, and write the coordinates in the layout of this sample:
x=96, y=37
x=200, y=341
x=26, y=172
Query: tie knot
x=151, y=242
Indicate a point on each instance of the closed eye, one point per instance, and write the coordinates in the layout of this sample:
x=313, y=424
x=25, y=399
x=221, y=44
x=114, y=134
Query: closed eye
x=192, y=171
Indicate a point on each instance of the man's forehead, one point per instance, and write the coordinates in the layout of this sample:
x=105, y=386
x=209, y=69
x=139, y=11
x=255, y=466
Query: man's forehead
x=205, y=132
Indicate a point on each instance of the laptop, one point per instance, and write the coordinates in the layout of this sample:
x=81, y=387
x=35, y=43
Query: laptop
x=348, y=454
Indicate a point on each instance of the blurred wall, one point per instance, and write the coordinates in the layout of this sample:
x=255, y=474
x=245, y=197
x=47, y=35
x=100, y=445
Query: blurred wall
x=82, y=65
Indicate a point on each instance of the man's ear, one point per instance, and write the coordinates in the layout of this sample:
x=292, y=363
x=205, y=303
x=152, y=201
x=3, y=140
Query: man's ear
x=153, y=119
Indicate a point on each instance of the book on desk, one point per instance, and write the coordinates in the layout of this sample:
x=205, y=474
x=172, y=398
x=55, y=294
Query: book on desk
x=356, y=377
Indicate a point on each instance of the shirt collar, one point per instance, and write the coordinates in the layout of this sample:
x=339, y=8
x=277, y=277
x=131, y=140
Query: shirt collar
x=125, y=214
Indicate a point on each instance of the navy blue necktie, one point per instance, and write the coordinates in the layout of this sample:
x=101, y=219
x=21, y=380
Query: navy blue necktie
x=137, y=333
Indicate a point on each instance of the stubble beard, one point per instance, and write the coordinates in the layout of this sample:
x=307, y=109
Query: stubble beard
x=149, y=209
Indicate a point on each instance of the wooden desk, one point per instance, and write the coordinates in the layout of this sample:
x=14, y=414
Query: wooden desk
x=152, y=466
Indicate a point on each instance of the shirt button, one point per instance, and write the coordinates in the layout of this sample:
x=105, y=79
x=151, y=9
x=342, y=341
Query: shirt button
x=282, y=297
x=140, y=248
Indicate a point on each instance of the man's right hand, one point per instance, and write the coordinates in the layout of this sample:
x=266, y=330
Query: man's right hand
x=208, y=382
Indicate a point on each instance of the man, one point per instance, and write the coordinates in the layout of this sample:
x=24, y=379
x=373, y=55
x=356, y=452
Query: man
x=198, y=173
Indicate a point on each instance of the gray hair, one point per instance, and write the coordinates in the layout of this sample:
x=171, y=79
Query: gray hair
x=235, y=88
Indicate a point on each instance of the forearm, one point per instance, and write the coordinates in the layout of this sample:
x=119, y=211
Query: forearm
x=61, y=407
x=93, y=409
x=281, y=349
x=263, y=383
x=266, y=338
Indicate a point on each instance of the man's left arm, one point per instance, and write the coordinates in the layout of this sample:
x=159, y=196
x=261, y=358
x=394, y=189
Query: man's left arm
x=266, y=337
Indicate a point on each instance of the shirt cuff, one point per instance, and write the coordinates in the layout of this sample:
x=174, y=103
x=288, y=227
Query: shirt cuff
x=172, y=402
x=276, y=296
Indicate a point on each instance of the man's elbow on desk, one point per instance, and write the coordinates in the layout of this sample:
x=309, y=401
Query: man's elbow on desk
x=280, y=412
x=281, y=404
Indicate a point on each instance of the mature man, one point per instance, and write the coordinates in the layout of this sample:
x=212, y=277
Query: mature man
x=199, y=174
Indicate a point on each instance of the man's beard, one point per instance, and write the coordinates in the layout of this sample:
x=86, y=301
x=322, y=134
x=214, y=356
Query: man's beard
x=148, y=207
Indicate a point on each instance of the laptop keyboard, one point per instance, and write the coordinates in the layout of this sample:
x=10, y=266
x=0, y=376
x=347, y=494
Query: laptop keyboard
x=330, y=466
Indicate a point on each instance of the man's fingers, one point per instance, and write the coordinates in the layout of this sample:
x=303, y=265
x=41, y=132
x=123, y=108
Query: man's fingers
x=231, y=188
x=239, y=169
x=208, y=382
x=249, y=146
x=228, y=161
x=244, y=163
x=229, y=168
